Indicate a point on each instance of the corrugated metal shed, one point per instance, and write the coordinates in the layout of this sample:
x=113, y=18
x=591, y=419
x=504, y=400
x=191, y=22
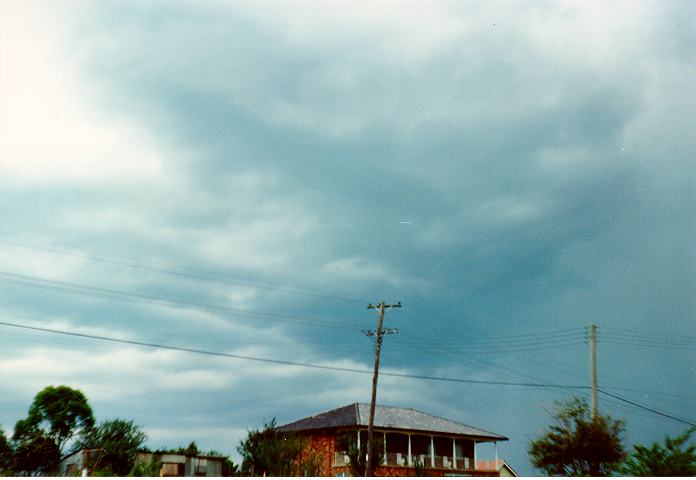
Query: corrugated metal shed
x=388, y=418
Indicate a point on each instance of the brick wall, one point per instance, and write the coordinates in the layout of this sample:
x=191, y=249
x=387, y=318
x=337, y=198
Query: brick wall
x=323, y=445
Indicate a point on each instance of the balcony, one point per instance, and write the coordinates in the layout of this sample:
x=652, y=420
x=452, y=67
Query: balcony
x=396, y=459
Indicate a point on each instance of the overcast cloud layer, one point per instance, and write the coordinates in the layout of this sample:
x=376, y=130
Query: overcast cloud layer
x=247, y=177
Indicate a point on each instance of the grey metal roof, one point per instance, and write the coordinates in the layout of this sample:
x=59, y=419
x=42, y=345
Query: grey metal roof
x=388, y=418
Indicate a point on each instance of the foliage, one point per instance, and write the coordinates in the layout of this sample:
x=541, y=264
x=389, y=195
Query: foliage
x=192, y=449
x=310, y=465
x=577, y=445
x=5, y=455
x=271, y=452
x=674, y=459
x=34, y=454
x=358, y=456
x=115, y=444
x=150, y=469
x=59, y=413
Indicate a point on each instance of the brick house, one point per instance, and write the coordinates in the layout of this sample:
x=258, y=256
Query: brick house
x=443, y=446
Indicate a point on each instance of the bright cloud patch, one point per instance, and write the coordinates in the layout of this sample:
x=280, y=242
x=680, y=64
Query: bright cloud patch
x=48, y=132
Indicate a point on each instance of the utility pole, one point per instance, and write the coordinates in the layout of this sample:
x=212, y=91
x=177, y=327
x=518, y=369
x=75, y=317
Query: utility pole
x=593, y=368
x=379, y=333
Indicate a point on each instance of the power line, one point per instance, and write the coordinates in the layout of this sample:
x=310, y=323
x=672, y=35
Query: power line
x=119, y=295
x=646, y=343
x=510, y=341
x=340, y=369
x=286, y=362
x=492, y=365
x=645, y=408
x=645, y=334
x=492, y=350
x=191, y=273
x=652, y=392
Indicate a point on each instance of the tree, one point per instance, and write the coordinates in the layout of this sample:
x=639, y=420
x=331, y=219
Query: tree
x=271, y=452
x=116, y=444
x=674, y=459
x=5, y=455
x=192, y=449
x=150, y=469
x=578, y=445
x=59, y=413
x=34, y=454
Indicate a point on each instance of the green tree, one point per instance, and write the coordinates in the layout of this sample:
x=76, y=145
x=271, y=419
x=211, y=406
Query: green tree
x=673, y=459
x=149, y=469
x=34, y=454
x=116, y=444
x=577, y=444
x=192, y=449
x=5, y=455
x=59, y=413
x=271, y=452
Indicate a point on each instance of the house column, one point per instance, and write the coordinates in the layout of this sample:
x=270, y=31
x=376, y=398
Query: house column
x=473, y=467
x=454, y=453
x=358, y=442
x=410, y=459
x=495, y=444
x=432, y=451
x=385, y=461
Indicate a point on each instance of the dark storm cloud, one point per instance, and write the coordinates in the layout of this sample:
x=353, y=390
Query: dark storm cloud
x=498, y=170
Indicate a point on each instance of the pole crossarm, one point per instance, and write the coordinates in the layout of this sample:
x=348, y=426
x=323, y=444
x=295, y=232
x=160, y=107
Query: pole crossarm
x=385, y=331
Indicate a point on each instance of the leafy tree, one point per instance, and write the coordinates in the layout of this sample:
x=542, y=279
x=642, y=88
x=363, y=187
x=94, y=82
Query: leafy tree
x=116, y=444
x=5, y=455
x=674, y=459
x=271, y=452
x=34, y=454
x=150, y=469
x=59, y=413
x=578, y=445
x=192, y=449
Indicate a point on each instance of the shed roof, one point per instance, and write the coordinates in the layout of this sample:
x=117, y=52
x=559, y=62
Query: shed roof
x=390, y=418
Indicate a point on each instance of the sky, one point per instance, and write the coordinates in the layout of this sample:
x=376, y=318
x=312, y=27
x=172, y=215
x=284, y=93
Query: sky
x=246, y=177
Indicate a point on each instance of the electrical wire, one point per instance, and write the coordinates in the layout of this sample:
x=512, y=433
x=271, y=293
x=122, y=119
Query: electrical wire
x=119, y=295
x=284, y=362
x=187, y=272
x=649, y=345
x=341, y=369
x=644, y=334
x=635, y=404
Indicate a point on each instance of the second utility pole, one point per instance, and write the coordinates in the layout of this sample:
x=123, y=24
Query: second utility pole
x=593, y=368
x=370, y=425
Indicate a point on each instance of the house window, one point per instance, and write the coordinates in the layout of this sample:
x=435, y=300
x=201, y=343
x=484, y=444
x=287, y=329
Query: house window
x=201, y=467
x=341, y=474
x=172, y=469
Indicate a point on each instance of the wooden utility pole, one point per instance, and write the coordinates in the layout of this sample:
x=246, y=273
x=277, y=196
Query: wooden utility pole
x=379, y=333
x=593, y=368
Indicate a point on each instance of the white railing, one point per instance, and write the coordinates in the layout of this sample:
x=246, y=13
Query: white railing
x=397, y=459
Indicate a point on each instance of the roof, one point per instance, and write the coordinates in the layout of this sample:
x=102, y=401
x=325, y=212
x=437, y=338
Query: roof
x=495, y=466
x=391, y=418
